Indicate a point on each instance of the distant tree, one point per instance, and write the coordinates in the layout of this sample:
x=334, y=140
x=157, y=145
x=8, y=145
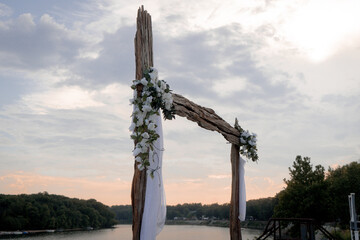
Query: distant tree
x=123, y=213
x=342, y=181
x=306, y=192
x=261, y=209
x=44, y=211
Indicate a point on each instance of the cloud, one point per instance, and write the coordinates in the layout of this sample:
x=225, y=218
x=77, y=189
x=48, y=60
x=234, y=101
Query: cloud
x=61, y=98
x=114, y=63
x=29, y=44
x=219, y=176
x=261, y=187
x=5, y=10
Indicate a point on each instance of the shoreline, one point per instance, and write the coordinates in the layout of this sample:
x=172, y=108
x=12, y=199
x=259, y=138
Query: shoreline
x=259, y=225
x=43, y=231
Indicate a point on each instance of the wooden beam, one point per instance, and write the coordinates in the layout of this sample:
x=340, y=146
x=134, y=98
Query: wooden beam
x=235, y=227
x=205, y=118
x=143, y=60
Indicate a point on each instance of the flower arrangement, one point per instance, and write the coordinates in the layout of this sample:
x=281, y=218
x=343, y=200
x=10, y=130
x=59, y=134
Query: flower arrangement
x=155, y=94
x=247, y=143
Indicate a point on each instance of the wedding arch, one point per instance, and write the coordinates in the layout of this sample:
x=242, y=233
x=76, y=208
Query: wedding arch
x=146, y=80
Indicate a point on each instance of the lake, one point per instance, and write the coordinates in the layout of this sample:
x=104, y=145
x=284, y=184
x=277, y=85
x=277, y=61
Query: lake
x=173, y=232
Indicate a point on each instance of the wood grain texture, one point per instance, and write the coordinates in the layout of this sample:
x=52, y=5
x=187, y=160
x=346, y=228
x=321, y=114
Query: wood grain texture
x=143, y=59
x=205, y=118
x=235, y=227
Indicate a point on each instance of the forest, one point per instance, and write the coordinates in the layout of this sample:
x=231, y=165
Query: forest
x=45, y=211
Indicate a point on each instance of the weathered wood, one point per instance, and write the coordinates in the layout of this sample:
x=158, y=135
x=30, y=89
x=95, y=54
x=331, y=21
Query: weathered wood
x=143, y=60
x=235, y=227
x=205, y=118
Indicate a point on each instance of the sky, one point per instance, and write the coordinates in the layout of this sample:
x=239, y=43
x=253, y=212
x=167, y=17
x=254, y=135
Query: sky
x=289, y=71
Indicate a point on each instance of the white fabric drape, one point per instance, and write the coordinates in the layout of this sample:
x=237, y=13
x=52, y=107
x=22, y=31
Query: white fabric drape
x=242, y=190
x=154, y=215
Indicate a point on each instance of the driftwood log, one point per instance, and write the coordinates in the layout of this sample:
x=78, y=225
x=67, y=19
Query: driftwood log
x=235, y=227
x=143, y=60
x=204, y=117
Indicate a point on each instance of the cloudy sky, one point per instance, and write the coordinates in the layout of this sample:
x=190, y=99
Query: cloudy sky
x=289, y=71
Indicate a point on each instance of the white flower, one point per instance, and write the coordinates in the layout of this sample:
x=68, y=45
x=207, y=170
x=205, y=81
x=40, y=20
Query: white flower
x=149, y=100
x=152, y=118
x=154, y=74
x=163, y=85
x=140, y=117
x=132, y=127
x=242, y=141
x=136, y=109
x=140, y=167
x=146, y=108
x=143, y=143
x=145, y=135
x=168, y=105
x=144, y=149
x=138, y=159
x=245, y=134
x=151, y=126
x=144, y=82
x=136, y=151
x=140, y=122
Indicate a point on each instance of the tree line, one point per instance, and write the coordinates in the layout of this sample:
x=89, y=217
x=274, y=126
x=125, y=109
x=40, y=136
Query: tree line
x=45, y=211
x=310, y=192
x=259, y=209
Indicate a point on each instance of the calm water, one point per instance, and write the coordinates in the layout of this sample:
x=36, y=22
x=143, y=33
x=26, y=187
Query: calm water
x=173, y=232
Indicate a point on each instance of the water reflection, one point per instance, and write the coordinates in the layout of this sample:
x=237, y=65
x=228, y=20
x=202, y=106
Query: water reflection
x=123, y=232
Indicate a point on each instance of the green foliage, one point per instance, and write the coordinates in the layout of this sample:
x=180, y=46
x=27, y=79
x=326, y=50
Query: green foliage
x=123, y=213
x=306, y=194
x=190, y=210
x=342, y=234
x=311, y=194
x=343, y=181
x=248, y=146
x=45, y=211
x=303, y=173
x=261, y=209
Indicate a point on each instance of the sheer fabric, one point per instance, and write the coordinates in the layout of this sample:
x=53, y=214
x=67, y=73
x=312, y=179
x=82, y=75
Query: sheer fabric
x=154, y=215
x=242, y=190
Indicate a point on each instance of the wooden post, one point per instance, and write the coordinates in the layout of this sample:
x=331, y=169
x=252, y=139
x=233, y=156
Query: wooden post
x=235, y=228
x=143, y=60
